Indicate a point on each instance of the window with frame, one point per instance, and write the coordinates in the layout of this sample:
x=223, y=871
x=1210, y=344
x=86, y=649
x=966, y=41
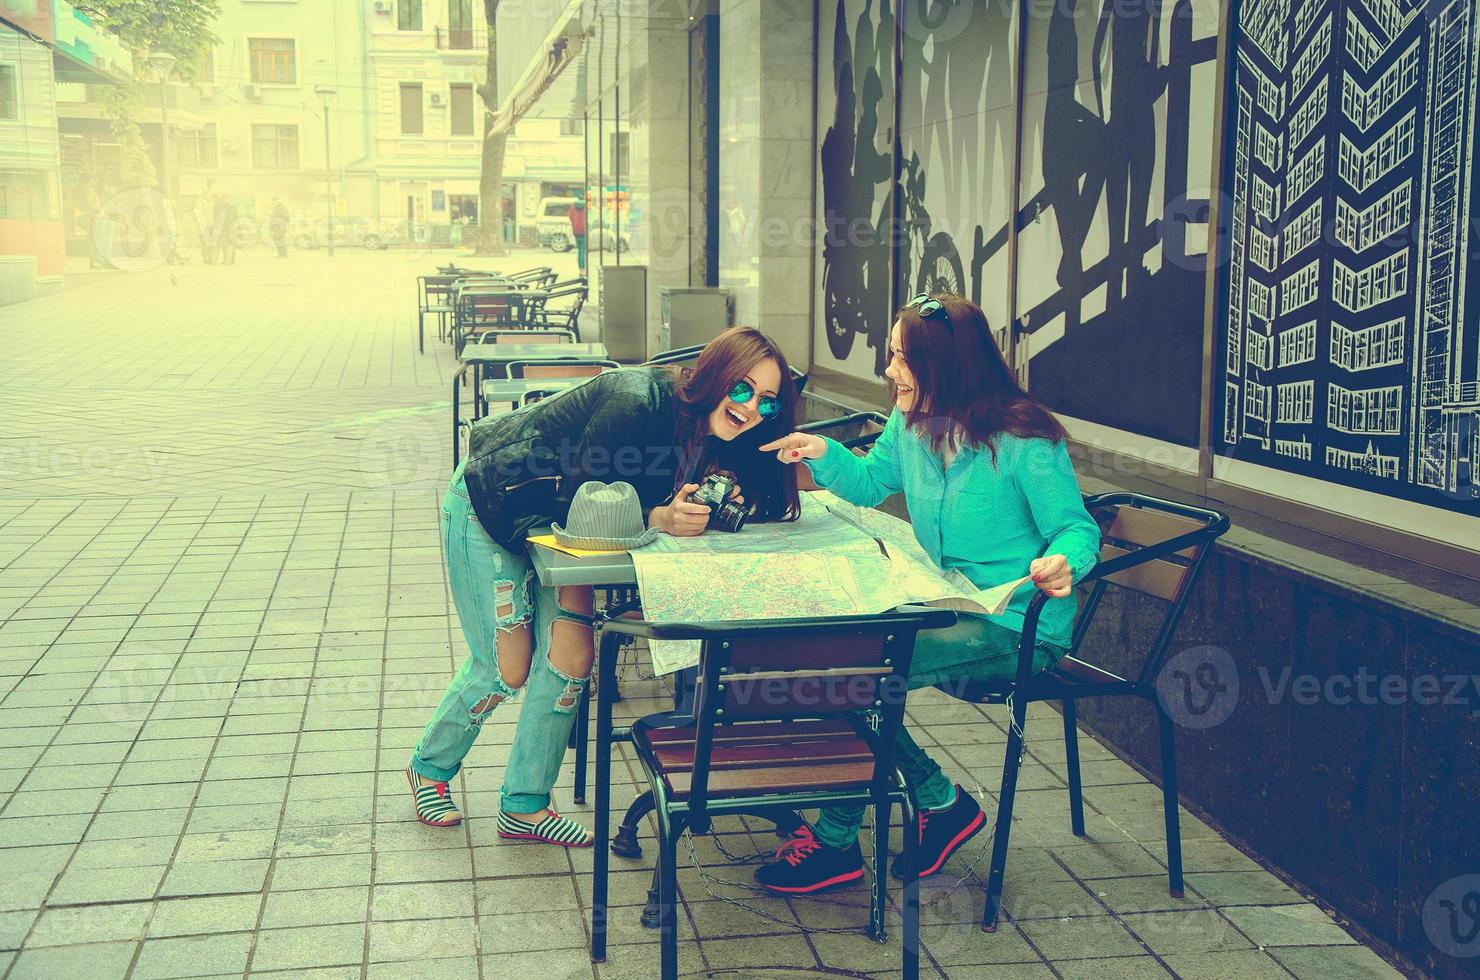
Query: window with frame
x=572, y=127
x=460, y=24
x=9, y=102
x=198, y=147
x=273, y=60
x=274, y=146
x=621, y=144
x=460, y=113
x=411, y=116
x=408, y=15
x=205, y=65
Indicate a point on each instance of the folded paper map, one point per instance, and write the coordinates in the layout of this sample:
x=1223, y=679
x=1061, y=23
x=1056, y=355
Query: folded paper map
x=836, y=560
x=548, y=540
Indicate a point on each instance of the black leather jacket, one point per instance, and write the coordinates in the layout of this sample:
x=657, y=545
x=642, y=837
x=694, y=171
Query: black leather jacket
x=523, y=467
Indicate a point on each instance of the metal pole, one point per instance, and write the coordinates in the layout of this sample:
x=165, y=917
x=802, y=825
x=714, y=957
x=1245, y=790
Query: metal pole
x=328, y=178
x=164, y=139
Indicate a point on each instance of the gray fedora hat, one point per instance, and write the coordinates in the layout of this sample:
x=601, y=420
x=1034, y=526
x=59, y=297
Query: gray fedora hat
x=605, y=517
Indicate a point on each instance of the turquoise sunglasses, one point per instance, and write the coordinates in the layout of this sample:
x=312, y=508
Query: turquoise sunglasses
x=744, y=391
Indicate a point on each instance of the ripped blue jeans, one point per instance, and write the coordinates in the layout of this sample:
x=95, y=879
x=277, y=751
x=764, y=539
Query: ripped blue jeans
x=494, y=592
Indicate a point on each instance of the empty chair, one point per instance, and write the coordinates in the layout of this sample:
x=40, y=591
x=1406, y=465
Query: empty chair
x=787, y=713
x=1151, y=546
x=433, y=295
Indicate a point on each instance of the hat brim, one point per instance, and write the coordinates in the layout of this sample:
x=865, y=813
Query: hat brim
x=604, y=544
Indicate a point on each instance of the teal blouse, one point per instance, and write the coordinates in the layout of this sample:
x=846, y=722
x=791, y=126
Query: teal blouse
x=988, y=520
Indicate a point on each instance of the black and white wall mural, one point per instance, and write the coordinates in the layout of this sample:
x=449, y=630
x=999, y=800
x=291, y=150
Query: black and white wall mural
x=1116, y=158
x=1351, y=331
x=855, y=122
x=1117, y=155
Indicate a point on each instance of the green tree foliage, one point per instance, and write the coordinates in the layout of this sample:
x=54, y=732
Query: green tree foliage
x=181, y=27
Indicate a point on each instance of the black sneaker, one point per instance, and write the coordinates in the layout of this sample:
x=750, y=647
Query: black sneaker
x=805, y=864
x=942, y=832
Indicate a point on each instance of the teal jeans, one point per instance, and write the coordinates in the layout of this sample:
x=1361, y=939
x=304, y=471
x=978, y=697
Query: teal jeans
x=975, y=649
x=495, y=591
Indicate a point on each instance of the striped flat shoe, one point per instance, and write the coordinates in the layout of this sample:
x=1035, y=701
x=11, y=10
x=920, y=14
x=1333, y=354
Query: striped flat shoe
x=553, y=829
x=434, y=806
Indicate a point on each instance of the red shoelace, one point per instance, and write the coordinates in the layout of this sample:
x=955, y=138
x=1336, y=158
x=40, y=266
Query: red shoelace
x=802, y=843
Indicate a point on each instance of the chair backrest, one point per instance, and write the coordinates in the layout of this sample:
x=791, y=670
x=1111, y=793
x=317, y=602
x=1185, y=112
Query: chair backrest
x=548, y=369
x=676, y=356
x=790, y=670
x=435, y=288
x=1162, y=545
x=856, y=431
x=483, y=306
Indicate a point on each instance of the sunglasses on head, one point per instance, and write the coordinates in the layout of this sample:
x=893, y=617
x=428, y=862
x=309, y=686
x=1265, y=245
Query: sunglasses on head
x=744, y=391
x=927, y=307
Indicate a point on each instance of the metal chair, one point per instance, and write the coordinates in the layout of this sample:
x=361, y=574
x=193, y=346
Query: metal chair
x=790, y=713
x=433, y=295
x=1151, y=546
x=866, y=425
x=541, y=315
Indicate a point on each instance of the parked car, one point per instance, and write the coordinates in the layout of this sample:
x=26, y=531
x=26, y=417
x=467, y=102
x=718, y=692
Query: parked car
x=553, y=225
x=352, y=232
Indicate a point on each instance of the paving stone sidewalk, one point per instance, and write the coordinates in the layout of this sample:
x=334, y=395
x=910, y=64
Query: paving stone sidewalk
x=224, y=619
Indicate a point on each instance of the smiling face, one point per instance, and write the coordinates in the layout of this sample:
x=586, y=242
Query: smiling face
x=899, y=372
x=730, y=418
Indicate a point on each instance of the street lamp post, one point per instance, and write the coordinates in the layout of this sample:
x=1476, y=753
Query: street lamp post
x=326, y=94
x=162, y=61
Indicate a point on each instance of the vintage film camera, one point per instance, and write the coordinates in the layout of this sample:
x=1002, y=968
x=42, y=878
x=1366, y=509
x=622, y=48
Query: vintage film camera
x=724, y=513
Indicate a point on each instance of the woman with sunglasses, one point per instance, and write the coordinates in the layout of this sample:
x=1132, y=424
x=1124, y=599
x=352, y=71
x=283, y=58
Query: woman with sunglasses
x=661, y=430
x=991, y=492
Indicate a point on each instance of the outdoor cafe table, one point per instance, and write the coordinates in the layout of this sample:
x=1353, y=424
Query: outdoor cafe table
x=480, y=357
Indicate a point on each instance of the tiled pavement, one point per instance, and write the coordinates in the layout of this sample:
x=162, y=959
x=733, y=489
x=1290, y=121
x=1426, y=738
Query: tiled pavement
x=223, y=620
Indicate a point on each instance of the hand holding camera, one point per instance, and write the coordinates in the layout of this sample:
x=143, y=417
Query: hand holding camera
x=720, y=493
x=694, y=507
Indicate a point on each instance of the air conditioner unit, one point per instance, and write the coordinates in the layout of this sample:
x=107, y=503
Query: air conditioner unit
x=251, y=91
x=436, y=100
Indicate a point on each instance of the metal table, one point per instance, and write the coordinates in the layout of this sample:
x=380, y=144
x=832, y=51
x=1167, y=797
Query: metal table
x=613, y=570
x=482, y=357
x=485, y=354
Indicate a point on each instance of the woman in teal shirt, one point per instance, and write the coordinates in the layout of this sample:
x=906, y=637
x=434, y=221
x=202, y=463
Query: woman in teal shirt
x=991, y=493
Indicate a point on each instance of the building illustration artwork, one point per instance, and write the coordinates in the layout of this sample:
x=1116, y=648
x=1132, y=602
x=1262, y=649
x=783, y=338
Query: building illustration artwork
x=1352, y=338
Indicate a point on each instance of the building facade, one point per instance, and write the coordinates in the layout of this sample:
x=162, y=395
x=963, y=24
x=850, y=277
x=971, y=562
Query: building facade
x=427, y=59
x=46, y=46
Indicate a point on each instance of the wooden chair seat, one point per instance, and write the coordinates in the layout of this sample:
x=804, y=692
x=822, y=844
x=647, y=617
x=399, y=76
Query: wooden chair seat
x=765, y=756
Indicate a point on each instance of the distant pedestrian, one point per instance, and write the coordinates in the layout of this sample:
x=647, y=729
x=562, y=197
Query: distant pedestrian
x=224, y=228
x=205, y=228
x=578, y=232
x=279, y=226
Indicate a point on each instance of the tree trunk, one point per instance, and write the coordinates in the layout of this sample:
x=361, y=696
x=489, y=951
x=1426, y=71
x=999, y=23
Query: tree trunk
x=490, y=183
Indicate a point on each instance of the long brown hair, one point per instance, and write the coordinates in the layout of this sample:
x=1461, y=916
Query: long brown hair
x=767, y=483
x=961, y=377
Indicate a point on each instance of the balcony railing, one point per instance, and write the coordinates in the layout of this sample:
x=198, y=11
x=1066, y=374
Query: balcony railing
x=470, y=39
